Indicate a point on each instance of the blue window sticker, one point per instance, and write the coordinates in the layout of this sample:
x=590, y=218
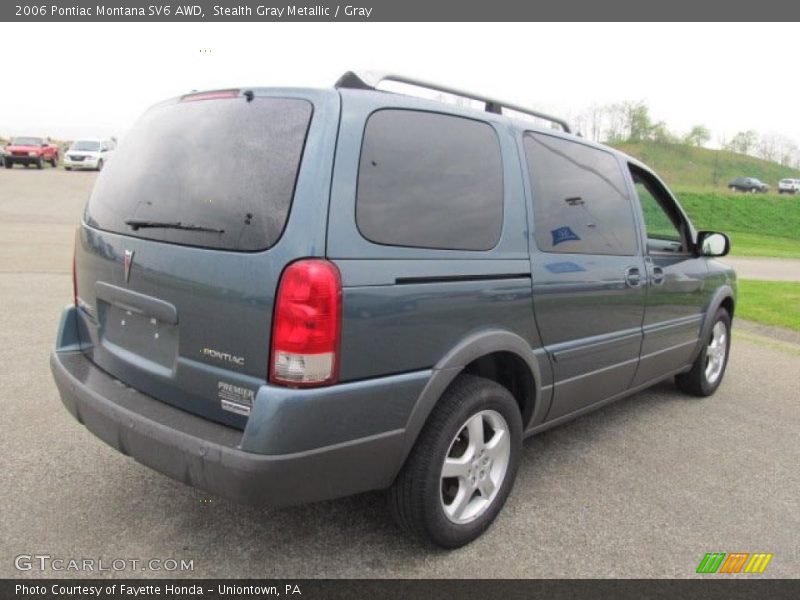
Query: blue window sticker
x=563, y=234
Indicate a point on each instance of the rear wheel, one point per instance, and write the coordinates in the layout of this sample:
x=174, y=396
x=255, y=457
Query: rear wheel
x=54, y=162
x=732, y=188
x=708, y=369
x=462, y=468
x=100, y=165
x=68, y=168
x=9, y=164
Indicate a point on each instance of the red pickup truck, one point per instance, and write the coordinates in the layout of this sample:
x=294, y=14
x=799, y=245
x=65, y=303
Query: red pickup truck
x=30, y=151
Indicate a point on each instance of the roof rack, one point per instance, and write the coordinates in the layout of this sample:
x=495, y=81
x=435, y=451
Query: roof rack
x=371, y=81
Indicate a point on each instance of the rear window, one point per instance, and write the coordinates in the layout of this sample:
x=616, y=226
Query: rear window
x=223, y=169
x=430, y=180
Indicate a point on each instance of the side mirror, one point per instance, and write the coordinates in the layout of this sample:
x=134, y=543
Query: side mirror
x=711, y=243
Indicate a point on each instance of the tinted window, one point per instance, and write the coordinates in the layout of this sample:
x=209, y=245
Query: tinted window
x=580, y=198
x=225, y=164
x=430, y=180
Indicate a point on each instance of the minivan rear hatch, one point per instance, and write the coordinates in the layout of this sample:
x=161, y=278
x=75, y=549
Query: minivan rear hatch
x=175, y=266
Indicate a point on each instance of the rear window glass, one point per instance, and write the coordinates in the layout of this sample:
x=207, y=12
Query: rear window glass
x=212, y=173
x=429, y=180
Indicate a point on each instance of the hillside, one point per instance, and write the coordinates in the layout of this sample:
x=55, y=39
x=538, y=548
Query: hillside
x=758, y=225
x=686, y=166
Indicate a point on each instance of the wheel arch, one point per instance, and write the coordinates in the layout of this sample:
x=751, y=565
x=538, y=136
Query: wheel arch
x=725, y=298
x=498, y=355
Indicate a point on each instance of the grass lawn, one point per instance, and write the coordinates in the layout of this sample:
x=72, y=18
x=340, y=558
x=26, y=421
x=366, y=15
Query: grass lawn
x=754, y=244
x=770, y=302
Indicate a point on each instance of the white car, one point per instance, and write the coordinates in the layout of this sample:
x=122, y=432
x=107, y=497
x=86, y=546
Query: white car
x=789, y=186
x=88, y=154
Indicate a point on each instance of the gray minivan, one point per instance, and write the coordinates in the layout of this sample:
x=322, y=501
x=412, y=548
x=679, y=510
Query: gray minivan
x=290, y=295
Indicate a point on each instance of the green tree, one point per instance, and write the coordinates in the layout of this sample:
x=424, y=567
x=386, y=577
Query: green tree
x=744, y=142
x=660, y=134
x=699, y=135
x=637, y=121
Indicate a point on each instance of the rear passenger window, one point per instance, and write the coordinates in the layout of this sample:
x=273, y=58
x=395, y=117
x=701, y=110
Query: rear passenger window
x=429, y=180
x=580, y=198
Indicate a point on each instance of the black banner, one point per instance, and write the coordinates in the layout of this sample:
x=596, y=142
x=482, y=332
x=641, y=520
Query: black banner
x=394, y=10
x=715, y=588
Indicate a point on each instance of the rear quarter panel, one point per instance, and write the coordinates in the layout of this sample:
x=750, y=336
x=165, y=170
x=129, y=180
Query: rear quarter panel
x=401, y=313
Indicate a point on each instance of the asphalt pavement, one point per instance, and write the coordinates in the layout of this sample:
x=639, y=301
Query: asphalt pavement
x=642, y=488
x=771, y=269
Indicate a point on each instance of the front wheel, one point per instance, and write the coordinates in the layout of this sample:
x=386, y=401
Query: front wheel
x=9, y=164
x=54, y=162
x=40, y=163
x=732, y=188
x=462, y=468
x=708, y=369
x=100, y=165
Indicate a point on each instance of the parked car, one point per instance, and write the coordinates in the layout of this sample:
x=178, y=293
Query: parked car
x=789, y=186
x=28, y=151
x=748, y=184
x=88, y=154
x=400, y=293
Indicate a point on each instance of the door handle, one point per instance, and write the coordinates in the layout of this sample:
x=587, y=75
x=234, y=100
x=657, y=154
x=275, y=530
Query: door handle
x=633, y=277
x=658, y=275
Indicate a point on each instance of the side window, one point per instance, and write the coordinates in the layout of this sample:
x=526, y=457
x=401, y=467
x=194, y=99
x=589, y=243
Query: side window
x=430, y=180
x=661, y=219
x=580, y=198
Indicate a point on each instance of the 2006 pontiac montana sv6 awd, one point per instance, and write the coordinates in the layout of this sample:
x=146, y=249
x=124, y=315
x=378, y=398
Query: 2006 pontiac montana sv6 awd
x=289, y=295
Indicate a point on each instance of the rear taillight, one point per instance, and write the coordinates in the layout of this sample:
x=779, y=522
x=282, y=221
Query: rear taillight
x=307, y=325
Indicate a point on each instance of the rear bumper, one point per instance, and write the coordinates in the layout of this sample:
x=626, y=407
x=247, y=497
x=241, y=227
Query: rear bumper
x=210, y=456
x=206, y=455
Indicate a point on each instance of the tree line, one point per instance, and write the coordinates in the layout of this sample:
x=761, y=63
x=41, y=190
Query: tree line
x=630, y=121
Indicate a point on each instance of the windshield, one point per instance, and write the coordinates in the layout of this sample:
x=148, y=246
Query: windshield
x=86, y=146
x=223, y=169
x=26, y=141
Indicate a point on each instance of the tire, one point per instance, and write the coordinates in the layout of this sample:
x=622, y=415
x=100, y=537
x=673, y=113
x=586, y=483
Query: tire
x=425, y=504
x=40, y=163
x=9, y=164
x=54, y=162
x=68, y=168
x=703, y=379
x=732, y=188
x=100, y=165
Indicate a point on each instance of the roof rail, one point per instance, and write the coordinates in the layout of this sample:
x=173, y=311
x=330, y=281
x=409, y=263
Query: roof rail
x=371, y=81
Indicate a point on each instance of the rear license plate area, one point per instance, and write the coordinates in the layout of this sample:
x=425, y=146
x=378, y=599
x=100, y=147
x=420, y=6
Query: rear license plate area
x=138, y=337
